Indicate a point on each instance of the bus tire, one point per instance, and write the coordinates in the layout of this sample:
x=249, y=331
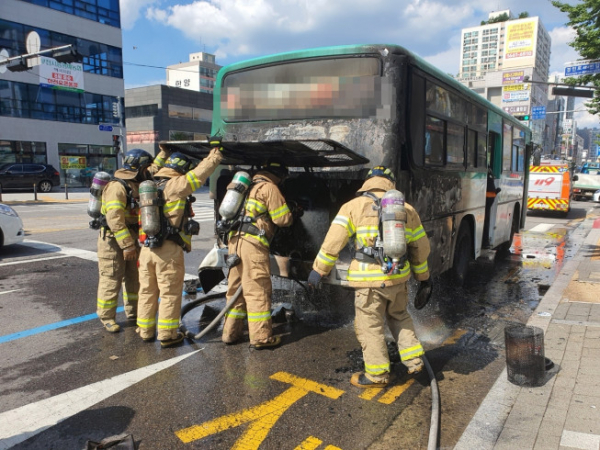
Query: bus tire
x=463, y=255
x=504, y=248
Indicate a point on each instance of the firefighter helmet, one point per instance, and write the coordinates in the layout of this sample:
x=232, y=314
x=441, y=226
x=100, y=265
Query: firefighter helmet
x=381, y=171
x=179, y=162
x=137, y=160
x=277, y=168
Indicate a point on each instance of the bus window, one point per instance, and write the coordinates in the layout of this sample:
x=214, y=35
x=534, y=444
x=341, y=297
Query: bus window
x=515, y=158
x=456, y=145
x=521, y=161
x=471, y=149
x=507, y=148
x=434, y=141
x=481, y=151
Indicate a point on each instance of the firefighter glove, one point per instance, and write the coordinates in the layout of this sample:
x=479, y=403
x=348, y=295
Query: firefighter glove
x=423, y=294
x=215, y=142
x=314, y=281
x=130, y=253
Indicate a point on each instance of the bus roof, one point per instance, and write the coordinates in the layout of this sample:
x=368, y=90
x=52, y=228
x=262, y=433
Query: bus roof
x=353, y=50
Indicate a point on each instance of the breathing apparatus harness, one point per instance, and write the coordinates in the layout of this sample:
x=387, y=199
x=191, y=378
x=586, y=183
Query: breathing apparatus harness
x=168, y=231
x=100, y=221
x=376, y=254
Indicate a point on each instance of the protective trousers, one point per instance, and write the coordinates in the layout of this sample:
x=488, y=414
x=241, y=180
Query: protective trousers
x=162, y=271
x=254, y=274
x=114, y=271
x=373, y=306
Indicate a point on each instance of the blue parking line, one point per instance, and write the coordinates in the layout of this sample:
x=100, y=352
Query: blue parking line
x=52, y=326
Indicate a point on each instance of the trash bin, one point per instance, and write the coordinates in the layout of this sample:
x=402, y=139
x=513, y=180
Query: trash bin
x=525, y=361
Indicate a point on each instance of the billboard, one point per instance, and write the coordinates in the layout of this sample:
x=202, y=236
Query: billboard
x=520, y=43
x=56, y=75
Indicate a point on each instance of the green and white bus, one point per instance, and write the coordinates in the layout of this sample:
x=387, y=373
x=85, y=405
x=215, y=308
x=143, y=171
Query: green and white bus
x=333, y=113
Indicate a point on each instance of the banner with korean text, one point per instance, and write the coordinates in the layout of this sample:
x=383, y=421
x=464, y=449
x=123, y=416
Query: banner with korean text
x=65, y=76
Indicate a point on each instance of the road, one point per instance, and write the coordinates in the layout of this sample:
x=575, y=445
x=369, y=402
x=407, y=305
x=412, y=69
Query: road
x=65, y=380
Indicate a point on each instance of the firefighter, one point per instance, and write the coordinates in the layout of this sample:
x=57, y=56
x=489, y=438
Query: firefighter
x=118, y=248
x=379, y=296
x=265, y=209
x=161, y=266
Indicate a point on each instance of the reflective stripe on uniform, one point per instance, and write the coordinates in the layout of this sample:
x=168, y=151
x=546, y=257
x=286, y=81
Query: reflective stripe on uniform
x=174, y=206
x=363, y=274
x=130, y=297
x=168, y=324
x=236, y=314
x=193, y=180
x=263, y=240
x=346, y=223
x=109, y=206
x=377, y=369
x=146, y=323
x=421, y=268
x=107, y=304
x=281, y=211
x=259, y=316
x=253, y=205
x=363, y=233
x=326, y=258
x=411, y=352
x=414, y=235
x=122, y=234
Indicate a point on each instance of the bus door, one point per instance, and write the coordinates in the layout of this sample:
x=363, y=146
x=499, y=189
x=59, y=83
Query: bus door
x=491, y=203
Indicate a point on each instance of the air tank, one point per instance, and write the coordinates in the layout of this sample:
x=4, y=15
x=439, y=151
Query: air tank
x=393, y=222
x=149, y=212
x=236, y=192
x=99, y=182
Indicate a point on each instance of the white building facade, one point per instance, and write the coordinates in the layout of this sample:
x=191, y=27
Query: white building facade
x=198, y=74
x=72, y=129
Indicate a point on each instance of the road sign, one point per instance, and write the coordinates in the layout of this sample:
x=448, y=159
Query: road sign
x=105, y=127
x=538, y=112
x=582, y=69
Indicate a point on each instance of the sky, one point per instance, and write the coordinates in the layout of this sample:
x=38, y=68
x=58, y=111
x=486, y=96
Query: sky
x=158, y=33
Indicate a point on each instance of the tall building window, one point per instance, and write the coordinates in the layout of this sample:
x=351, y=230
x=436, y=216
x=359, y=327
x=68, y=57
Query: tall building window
x=103, y=11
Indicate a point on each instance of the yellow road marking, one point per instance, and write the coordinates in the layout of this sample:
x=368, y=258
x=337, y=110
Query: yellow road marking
x=261, y=417
x=392, y=394
x=310, y=443
x=369, y=393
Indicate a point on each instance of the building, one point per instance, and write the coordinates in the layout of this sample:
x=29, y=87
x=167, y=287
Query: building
x=58, y=122
x=198, y=74
x=163, y=113
x=507, y=60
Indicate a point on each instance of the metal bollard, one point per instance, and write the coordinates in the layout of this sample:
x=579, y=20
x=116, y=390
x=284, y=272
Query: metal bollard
x=66, y=192
x=35, y=192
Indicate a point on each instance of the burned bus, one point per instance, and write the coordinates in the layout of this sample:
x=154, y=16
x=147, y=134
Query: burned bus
x=333, y=113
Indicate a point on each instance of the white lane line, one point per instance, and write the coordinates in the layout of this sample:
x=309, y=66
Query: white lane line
x=585, y=441
x=9, y=292
x=542, y=227
x=22, y=423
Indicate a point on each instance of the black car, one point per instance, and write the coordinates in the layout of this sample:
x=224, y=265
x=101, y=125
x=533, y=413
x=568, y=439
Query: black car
x=24, y=176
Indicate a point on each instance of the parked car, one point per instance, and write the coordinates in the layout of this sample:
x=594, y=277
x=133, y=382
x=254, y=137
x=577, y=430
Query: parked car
x=25, y=175
x=11, y=226
x=596, y=196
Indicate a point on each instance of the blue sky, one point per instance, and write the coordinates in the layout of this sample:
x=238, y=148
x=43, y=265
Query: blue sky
x=157, y=33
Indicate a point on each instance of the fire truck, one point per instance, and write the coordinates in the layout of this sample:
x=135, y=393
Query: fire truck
x=550, y=188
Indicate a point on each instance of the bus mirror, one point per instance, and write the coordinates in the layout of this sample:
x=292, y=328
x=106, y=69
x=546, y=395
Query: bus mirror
x=575, y=178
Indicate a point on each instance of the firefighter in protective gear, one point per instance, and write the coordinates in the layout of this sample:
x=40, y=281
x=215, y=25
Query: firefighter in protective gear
x=379, y=297
x=162, y=268
x=265, y=209
x=118, y=248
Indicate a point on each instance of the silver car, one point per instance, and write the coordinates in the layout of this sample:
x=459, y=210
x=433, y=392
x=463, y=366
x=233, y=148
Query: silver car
x=11, y=226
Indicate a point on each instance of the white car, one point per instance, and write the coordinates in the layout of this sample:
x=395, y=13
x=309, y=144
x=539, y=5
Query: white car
x=11, y=226
x=596, y=196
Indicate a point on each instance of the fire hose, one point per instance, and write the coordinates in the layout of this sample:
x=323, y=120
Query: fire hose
x=191, y=305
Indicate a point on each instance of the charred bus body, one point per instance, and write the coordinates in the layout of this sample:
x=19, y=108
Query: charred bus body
x=333, y=113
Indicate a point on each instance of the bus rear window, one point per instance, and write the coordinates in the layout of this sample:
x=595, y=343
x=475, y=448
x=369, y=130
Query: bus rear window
x=341, y=87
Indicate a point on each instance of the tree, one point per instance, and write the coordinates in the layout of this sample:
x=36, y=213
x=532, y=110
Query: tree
x=584, y=17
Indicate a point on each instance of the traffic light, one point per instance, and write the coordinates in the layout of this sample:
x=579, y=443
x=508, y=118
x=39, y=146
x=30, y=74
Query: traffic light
x=116, y=142
x=523, y=117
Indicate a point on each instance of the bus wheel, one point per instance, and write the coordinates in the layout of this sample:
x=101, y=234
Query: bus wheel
x=504, y=248
x=463, y=254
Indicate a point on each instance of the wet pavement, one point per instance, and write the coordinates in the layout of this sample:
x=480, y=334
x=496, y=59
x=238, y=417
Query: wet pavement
x=65, y=380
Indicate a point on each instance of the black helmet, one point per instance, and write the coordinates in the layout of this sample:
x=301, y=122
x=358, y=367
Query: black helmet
x=381, y=171
x=137, y=160
x=277, y=168
x=179, y=162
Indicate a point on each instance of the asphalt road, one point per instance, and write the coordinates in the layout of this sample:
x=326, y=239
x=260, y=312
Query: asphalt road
x=65, y=380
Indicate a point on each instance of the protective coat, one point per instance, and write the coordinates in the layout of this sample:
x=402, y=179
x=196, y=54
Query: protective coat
x=379, y=297
x=267, y=206
x=162, y=269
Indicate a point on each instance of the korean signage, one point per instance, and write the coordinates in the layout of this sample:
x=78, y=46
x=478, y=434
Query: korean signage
x=72, y=162
x=516, y=110
x=513, y=77
x=66, y=76
x=582, y=69
x=538, y=112
x=519, y=49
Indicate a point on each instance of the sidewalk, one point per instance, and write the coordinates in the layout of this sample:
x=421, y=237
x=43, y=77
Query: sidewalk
x=564, y=413
x=57, y=195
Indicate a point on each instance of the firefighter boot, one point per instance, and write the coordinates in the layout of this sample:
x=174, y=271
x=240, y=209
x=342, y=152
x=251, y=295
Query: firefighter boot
x=362, y=380
x=111, y=326
x=414, y=366
x=172, y=342
x=273, y=341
